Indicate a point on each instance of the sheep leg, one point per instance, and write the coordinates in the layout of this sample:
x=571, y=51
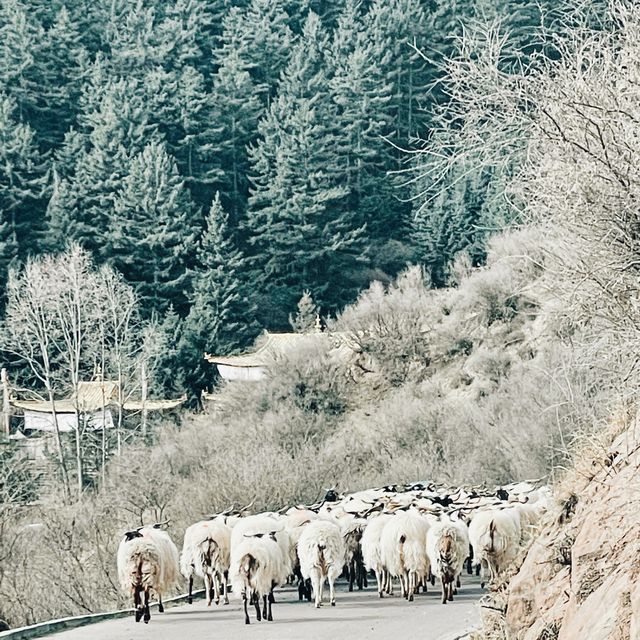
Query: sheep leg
x=480, y=570
x=207, y=588
x=256, y=603
x=451, y=589
x=443, y=581
x=388, y=582
x=245, y=602
x=317, y=585
x=352, y=575
x=404, y=584
x=270, y=600
x=160, y=605
x=225, y=580
x=363, y=574
x=332, y=593
x=411, y=585
x=359, y=581
x=301, y=585
x=147, y=613
x=137, y=601
x=215, y=578
x=190, y=596
x=380, y=582
x=264, y=608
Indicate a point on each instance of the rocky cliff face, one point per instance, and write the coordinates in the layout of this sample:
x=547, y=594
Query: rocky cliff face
x=579, y=579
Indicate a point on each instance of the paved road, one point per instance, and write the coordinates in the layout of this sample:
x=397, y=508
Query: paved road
x=356, y=615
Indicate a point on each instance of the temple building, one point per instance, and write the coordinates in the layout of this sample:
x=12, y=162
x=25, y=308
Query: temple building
x=270, y=348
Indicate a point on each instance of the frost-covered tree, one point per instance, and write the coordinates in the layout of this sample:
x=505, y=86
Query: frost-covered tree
x=115, y=128
x=22, y=183
x=152, y=231
x=236, y=111
x=303, y=235
x=221, y=318
x=307, y=315
x=261, y=37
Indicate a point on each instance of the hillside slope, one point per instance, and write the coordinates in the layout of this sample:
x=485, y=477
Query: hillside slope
x=580, y=577
x=483, y=382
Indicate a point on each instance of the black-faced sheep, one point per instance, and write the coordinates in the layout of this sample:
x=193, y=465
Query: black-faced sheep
x=147, y=562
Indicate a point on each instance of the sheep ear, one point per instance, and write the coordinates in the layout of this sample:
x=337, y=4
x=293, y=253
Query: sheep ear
x=130, y=535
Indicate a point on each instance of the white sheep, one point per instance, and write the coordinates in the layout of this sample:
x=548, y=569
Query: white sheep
x=147, y=561
x=495, y=537
x=371, y=551
x=260, y=561
x=321, y=551
x=205, y=553
x=295, y=522
x=448, y=548
x=403, y=550
x=352, y=529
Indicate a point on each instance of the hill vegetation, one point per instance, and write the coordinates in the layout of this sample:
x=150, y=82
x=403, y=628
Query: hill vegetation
x=225, y=157
x=475, y=383
x=525, y=352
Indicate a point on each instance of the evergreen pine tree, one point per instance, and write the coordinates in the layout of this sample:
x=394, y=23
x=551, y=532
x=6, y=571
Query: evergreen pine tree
x=304, y=237
x=167, y=353
x=152, y=231
x=60, y=64
x=195, y=141
x=115, y=127
x=182, y=31
x=451, y=223
x=221, y=318
x=22, y=181
x=8, y=250
x=393, y=26
x=362, y=95
x=135, y=40
x=237, y=109
x=21, y=37
x=261, y=37
x=306, y=318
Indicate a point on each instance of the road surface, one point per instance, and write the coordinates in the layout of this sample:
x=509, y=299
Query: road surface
x=356, y=615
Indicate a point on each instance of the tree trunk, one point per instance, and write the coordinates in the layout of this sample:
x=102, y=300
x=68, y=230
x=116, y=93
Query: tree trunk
x=79, y=455
x=6, y=404
x=56, y=429
x=143, y=397
x=120, y=409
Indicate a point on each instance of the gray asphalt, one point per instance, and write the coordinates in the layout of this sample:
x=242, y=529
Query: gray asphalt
x=356, y=615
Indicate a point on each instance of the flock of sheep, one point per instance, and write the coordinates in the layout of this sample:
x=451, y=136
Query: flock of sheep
x=412, y=534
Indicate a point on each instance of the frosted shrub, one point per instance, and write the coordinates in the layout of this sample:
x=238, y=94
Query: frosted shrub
x=393, y=324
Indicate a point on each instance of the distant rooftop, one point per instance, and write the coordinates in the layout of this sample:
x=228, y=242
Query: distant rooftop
x=272, y=347
x=94, y=396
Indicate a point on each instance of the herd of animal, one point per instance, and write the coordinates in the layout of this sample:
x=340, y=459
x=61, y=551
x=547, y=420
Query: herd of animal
x=409, y=534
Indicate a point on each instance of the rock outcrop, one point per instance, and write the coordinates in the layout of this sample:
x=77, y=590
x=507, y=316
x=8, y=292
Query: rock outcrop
x=579, y=580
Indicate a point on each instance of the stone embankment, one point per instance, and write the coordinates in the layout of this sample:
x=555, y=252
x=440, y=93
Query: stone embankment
x=579, y=579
